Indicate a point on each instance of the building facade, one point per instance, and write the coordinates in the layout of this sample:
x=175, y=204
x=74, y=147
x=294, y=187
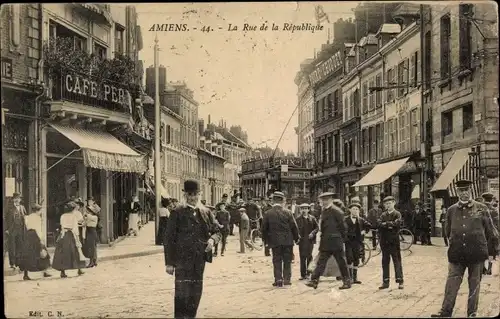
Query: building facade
x=461, y=89
x=390, y=131
x=22, y=93
x=305, y=98
x=87, y=121
x=211, y=164
x=171, y=156
x=180, y=99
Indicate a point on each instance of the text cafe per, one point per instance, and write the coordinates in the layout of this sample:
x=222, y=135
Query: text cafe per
x=76, y=87
x=325, y=69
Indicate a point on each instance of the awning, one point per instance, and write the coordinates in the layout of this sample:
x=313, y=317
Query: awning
x=459, y=167
x=103, y=151
x=381, y=172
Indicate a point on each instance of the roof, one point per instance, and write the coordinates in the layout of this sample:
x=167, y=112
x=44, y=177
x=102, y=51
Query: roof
x=229, y=136
x=369, y=39
x=390, y=28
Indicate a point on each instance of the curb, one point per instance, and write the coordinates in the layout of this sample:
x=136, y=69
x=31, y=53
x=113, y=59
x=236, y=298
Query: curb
x=13, y=272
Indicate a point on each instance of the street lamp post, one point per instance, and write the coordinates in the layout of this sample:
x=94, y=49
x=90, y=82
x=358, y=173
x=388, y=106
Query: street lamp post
x=157, y=160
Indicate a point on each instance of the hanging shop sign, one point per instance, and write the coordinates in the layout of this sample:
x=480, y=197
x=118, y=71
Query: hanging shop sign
x=80, y=89
x=6, y=68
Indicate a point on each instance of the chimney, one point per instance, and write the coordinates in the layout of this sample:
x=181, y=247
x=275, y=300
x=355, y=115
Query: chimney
x=150, y=80
x=225, y=124
x=208, y=119
x=201, y=126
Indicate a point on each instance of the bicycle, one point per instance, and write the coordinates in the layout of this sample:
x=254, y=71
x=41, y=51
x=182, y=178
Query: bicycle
x=256, y=234
x=405, y=242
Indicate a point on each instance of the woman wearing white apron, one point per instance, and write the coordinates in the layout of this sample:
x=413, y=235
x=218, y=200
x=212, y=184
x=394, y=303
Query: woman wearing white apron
x=68, y=253
x=133, y=217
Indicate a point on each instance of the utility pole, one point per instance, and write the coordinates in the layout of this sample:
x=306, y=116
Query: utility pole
x=157, y=152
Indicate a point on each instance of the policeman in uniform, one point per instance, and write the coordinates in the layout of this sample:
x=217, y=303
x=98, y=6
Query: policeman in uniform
x=488, y=201
x=279, y=232
x=389, y=225
x=191, y=235
x=470, y=229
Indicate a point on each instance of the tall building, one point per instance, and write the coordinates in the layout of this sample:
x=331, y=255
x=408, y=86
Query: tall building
x=87, y=146
x=305, y=110
x=180, y=99
x=211, y=164
x=325, y=76
x=461, y=89
x=234, y=150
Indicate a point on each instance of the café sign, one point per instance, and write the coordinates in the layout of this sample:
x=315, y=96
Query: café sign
x=325, y=69
x=76, y=87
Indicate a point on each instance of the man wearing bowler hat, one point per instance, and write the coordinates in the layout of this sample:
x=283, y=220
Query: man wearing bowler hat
x=333, y=237
x=389, y=225
x=191, y=236
x=279, y=232
x=469, y=228
x=15, y=229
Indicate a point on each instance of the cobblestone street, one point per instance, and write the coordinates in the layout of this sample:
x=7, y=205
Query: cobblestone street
x=240, y=286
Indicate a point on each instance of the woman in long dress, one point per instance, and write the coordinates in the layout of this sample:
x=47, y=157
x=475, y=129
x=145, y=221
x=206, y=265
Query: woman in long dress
x=68, y=247
x=133, y=217
x=164, y=213
x=34, y=255
x=91, y=239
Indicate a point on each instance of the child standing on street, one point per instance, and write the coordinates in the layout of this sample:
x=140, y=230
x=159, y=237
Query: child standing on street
x=356, y=227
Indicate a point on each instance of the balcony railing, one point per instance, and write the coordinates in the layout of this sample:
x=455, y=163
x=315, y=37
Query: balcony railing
x=87, y=91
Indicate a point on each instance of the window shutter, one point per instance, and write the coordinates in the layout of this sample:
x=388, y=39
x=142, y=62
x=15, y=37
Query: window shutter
x=388, y=83
x=418, y=80
x=412, y=71
x=408, y=128
x=407, y=74
x=396, y=137
x=386, y=139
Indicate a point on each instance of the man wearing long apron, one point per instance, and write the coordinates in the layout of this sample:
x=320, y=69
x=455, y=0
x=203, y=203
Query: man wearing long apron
x=191, y=235
x=469, y=228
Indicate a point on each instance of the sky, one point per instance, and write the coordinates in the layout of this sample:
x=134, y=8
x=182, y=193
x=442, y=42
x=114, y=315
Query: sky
x=243, y=77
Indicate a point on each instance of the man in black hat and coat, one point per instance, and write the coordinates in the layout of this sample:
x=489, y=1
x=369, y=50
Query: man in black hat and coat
x=191, y=235
x=308, y=228
x=470, y=230
x=333, y=237
x=15, y=229
x=389, y=225
x=279, y=232
x=488, y=201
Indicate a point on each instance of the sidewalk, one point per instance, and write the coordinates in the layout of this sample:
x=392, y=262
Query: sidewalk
x=126, y=247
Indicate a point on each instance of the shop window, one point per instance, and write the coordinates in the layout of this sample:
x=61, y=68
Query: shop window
x=468, y=117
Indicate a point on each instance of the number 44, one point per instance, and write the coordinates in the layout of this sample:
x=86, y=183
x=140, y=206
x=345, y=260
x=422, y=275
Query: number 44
x=206, y=29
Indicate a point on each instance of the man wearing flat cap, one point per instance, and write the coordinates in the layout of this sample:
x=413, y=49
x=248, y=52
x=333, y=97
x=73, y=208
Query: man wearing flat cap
x=470, y=230
x=266, y=206
x=389, y=225
x=279, y=232
x=488, y=201
x=308, y=228
x=15, y=229
x=333, y=237
x=191, y=235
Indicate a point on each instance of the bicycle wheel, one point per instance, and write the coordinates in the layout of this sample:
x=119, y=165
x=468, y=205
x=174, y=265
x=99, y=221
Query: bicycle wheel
x=365, y=255
x=405, y=239
x=255, y=237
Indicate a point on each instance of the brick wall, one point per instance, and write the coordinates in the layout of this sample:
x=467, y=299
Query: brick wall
x=21, y=60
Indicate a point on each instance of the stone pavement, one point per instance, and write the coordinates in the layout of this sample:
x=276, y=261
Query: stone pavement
x=142, y=245
x=240, y=286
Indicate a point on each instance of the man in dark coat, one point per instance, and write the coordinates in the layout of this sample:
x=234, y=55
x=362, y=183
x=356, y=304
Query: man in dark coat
x=470, y=228
x=232, y=207
x=224, y=218
x=266, y=206
x=426, y=228
x=333, y=237
x=308, y=227
x=389, y=225
x=356, y=227
x=191, y=235
x=488, y=201
x=15, y=229
x=279, y=232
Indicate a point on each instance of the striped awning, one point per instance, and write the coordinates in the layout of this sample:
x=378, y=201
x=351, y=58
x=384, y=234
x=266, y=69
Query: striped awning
x=461, y=166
